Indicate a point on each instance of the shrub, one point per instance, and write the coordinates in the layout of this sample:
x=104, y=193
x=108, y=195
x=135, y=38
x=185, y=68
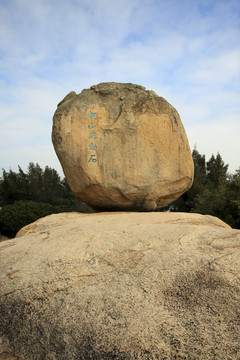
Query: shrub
x=21, y=213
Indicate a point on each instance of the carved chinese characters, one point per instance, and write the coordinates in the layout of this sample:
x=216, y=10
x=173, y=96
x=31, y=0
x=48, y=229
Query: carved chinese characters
x=92, y=136
x=122, y=147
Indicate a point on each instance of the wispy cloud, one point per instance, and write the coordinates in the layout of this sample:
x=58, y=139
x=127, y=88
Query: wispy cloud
x=187, y=52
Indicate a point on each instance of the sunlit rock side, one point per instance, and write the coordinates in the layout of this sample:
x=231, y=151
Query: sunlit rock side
x=121, y=286
x=122, y=147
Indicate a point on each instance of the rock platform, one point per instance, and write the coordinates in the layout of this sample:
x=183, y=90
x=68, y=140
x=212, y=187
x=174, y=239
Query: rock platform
x=121, y=286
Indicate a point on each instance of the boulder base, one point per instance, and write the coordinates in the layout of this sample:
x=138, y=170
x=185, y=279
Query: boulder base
x=121, y=286
x=122, y=147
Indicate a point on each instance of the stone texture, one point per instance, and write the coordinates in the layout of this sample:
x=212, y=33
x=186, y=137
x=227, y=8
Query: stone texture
x=3, y=238
x=122, y=147
x=121, y=286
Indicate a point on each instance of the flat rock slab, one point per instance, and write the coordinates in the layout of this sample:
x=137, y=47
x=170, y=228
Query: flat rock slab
x=121, y=286
x=122, y=147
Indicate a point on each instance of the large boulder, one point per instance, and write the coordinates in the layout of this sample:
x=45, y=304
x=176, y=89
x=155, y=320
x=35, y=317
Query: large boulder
x=121, y=286
x=122, y=147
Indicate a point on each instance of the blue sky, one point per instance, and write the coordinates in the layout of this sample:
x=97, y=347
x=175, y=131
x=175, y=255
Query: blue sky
x=187, y=51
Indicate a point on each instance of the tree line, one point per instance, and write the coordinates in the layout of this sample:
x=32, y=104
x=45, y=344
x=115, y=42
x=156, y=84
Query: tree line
x=28, y=196
x=214, y=191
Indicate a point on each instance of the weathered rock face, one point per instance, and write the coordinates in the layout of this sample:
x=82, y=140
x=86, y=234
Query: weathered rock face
x=122, y=147
x=121, y=286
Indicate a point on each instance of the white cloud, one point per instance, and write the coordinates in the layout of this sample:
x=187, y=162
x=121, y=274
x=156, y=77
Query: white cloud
x=220, y=135
x=21, y=155
x=219, y=69
x=187, y=52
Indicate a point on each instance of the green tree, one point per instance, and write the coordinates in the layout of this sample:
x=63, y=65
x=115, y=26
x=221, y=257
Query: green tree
x=216, y=170
x=36, y=185
x=187, y=201
x=221, y=196
x=39, y=186
x=214, y=201
x=9, y=189
x=35, y=174
x=233, y=199
x=22, y=185
x=52, y=190
x=214, y=191
x=21, y=213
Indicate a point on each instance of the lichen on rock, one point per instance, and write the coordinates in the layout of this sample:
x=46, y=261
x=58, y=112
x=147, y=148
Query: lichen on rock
x=122, y=147
x=121, y=285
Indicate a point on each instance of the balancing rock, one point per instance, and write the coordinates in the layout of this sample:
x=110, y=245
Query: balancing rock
x=122, y=147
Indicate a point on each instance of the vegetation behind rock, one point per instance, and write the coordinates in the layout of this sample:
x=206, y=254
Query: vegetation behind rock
x=214, y=191
x=26, y=197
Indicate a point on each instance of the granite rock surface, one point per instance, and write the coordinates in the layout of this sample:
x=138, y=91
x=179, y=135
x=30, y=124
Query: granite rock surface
x=122, y=147
x=121, y=286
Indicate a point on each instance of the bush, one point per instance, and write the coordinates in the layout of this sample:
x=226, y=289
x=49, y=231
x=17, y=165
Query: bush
x=21, y=213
